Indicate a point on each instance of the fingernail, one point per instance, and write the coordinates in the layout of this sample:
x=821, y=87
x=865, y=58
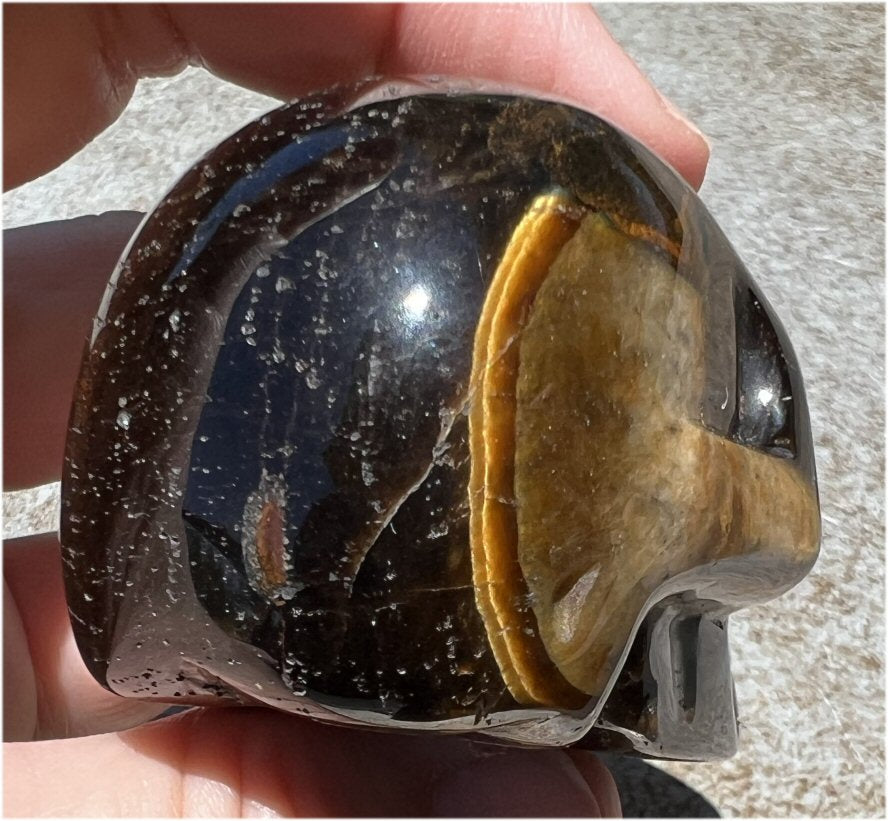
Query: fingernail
x=517, y=784
x=676, y=113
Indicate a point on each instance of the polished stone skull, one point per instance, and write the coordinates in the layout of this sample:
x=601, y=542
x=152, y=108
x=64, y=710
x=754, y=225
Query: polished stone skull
x=442, y=410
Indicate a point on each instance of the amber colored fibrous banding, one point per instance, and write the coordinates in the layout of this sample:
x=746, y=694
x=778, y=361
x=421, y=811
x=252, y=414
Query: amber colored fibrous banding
x=501, y=591
x=639, y=230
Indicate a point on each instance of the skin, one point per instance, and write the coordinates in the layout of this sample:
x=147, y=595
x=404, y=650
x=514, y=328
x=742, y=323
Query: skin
x=75, y=749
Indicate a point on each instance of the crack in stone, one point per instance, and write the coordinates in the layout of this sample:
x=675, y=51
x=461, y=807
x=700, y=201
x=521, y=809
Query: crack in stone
x=448, y=420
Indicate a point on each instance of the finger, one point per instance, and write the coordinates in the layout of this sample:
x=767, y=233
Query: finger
x=19, y=684
x=559, y=48
x=55, y=275
x=512, y=788
x=240, y=761
x=70, y=71
x=600, y=781
x=48, y=692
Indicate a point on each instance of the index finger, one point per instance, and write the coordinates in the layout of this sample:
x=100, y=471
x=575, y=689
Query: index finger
x=70, y=70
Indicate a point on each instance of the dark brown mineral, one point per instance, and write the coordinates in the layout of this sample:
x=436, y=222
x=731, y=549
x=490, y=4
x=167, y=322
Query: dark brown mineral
x=436, y=412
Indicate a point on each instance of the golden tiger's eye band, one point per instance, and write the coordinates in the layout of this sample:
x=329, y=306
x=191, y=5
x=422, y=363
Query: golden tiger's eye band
x=500, y=587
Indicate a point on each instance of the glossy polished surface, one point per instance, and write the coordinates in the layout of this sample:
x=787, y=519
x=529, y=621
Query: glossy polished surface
x=449, y=412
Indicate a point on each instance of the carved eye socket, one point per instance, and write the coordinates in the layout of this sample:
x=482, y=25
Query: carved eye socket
x=765, y=414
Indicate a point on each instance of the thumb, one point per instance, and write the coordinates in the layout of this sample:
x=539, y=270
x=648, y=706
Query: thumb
x=250, y=762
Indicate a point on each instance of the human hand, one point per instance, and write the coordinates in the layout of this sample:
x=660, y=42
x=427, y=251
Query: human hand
x=69, y=72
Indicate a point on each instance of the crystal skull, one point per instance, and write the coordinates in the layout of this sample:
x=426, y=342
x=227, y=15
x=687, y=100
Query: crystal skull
x=444, y=411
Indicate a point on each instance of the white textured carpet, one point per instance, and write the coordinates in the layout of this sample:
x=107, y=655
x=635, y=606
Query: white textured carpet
x=792, y=99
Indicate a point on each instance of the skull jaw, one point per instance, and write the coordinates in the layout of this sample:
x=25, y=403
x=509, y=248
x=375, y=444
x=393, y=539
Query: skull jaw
x=674, y=697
